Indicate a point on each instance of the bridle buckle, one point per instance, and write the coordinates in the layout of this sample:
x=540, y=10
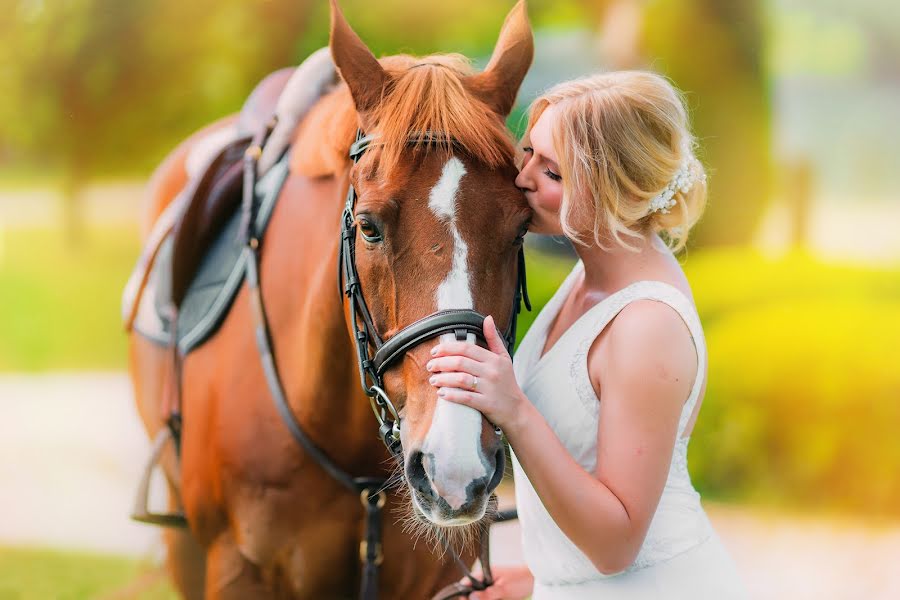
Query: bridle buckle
x=364, y=553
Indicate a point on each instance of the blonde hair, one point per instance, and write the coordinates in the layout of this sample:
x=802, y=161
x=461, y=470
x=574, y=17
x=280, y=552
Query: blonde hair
x=620, y=139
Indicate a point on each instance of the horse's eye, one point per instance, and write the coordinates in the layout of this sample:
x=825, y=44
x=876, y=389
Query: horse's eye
x=369, y=230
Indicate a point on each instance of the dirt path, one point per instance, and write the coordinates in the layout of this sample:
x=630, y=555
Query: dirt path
x=72, y=448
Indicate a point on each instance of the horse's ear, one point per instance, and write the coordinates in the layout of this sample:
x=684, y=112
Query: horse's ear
x=499, y=83
x=355, y=62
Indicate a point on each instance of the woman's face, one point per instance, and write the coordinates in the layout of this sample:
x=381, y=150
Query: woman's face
x=539, y=177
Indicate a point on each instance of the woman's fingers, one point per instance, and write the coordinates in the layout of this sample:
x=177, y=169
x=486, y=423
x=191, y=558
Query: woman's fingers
x=456, y=363
x=472, y=399
x=462, y=349
x=463, y=381
x=495, y=341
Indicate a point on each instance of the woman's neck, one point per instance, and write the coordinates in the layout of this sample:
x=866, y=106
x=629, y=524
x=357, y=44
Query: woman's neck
x=612, y=269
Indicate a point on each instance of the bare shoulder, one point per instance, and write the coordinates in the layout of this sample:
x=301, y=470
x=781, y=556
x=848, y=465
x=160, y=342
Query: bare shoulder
x=647, y=345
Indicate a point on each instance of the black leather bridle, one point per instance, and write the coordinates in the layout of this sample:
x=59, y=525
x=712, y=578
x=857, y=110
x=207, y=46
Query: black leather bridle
x=460, y=322
x=371, y=490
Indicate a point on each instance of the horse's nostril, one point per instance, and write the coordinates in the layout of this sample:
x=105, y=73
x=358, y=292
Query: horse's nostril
x=499, y=469
x=416, y=475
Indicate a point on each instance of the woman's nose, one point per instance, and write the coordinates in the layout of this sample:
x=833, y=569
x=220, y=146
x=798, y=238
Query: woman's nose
x=523, y=181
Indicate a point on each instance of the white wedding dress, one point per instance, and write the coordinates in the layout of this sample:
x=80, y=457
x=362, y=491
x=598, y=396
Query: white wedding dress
x=681, y=557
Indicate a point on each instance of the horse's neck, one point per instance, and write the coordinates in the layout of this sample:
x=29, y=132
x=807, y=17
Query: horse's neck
x=322, y=141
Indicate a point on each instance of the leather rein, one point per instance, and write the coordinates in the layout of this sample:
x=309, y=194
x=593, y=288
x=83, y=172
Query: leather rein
x=371, y=490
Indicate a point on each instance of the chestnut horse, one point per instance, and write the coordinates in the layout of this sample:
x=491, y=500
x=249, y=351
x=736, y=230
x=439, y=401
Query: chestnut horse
x=439, y=226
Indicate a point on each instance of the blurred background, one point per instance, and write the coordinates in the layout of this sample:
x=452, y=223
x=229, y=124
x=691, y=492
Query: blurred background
x=795, y=266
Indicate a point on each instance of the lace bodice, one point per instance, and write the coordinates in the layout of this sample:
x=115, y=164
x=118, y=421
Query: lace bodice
x=559, y=386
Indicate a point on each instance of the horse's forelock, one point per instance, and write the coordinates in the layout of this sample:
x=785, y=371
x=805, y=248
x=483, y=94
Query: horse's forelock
x=429, y=95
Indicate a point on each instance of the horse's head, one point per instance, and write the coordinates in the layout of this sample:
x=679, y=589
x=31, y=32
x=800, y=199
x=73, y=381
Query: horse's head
x=439, y=225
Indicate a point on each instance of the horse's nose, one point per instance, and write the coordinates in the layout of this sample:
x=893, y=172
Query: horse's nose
x=420, y=471
x=459, y=497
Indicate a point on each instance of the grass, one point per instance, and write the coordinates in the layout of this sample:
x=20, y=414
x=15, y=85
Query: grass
x=59, y=308
x=38, y=574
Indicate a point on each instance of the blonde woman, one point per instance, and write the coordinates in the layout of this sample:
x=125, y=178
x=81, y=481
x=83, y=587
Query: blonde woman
x=606, y=386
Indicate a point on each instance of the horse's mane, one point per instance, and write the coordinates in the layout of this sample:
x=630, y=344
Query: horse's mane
x=427, y=95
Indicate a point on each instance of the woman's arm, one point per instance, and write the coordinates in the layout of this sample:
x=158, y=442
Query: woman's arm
x=647, y=365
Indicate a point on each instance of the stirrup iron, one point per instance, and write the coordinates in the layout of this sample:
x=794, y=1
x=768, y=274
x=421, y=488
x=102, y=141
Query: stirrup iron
x=141, y=511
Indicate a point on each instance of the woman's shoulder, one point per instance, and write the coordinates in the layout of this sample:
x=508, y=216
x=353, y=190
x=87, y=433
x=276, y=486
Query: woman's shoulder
x=649, y=345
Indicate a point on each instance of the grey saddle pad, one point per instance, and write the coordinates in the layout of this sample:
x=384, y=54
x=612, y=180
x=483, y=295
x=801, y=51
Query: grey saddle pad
x=216, y=281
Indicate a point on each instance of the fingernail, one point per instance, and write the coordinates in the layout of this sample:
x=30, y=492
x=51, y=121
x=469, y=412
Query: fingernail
x=433, y=380
x=429, y=365
x=434, y=351
x=442, y=393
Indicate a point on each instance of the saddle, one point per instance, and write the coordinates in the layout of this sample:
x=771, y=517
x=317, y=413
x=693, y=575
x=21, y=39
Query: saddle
x=190, y=268
x=216, y=194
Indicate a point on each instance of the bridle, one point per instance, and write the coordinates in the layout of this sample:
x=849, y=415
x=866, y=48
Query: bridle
x=371, y=490
x=460, y=322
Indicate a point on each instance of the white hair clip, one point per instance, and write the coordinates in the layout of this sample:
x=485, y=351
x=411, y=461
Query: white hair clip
x=682, y=182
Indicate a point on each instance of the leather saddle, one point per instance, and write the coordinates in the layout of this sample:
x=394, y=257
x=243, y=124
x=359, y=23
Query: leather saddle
x=214, y=196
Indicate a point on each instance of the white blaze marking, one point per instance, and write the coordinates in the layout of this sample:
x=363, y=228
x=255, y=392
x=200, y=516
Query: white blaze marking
x=454, y=291
x=454, y=439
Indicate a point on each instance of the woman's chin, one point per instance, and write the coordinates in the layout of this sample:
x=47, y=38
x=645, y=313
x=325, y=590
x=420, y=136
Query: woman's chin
x=545, y=229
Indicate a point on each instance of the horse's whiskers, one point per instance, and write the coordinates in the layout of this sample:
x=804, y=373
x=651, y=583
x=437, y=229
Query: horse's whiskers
x=461, y=538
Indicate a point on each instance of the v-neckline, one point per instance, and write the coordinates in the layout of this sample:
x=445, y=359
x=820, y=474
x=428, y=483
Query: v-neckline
x=565, y=291
x=539, y=357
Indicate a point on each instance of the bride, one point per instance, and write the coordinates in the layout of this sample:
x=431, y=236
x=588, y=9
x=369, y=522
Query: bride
x=600, y=402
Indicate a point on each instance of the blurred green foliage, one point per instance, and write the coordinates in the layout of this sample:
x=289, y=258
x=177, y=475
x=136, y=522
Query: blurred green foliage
x=60, y=309
x=33, y=574
x=801, y=406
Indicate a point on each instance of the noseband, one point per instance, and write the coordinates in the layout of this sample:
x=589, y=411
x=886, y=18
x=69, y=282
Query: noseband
x=459, y=322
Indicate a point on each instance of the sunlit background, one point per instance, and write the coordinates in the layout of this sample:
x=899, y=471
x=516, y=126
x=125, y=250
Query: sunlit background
x=795, y=267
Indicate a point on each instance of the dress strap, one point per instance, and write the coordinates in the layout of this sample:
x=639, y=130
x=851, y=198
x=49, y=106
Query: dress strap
x=599, y=316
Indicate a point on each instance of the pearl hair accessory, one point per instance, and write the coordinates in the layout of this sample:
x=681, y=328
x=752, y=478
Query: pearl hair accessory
x=682, y=181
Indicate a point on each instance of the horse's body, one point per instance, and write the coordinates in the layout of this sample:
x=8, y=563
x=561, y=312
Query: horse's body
x=265, y=519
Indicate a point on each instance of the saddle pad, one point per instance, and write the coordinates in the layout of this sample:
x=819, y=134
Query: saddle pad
x=215, y=283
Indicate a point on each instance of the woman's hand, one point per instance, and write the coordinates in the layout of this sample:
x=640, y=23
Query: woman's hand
x=481, y=378
x=510, y=583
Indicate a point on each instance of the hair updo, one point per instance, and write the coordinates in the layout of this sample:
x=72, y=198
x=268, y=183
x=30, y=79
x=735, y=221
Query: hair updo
x=626, y=157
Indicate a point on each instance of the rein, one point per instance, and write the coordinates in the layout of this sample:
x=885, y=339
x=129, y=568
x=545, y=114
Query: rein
x=371, y=490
